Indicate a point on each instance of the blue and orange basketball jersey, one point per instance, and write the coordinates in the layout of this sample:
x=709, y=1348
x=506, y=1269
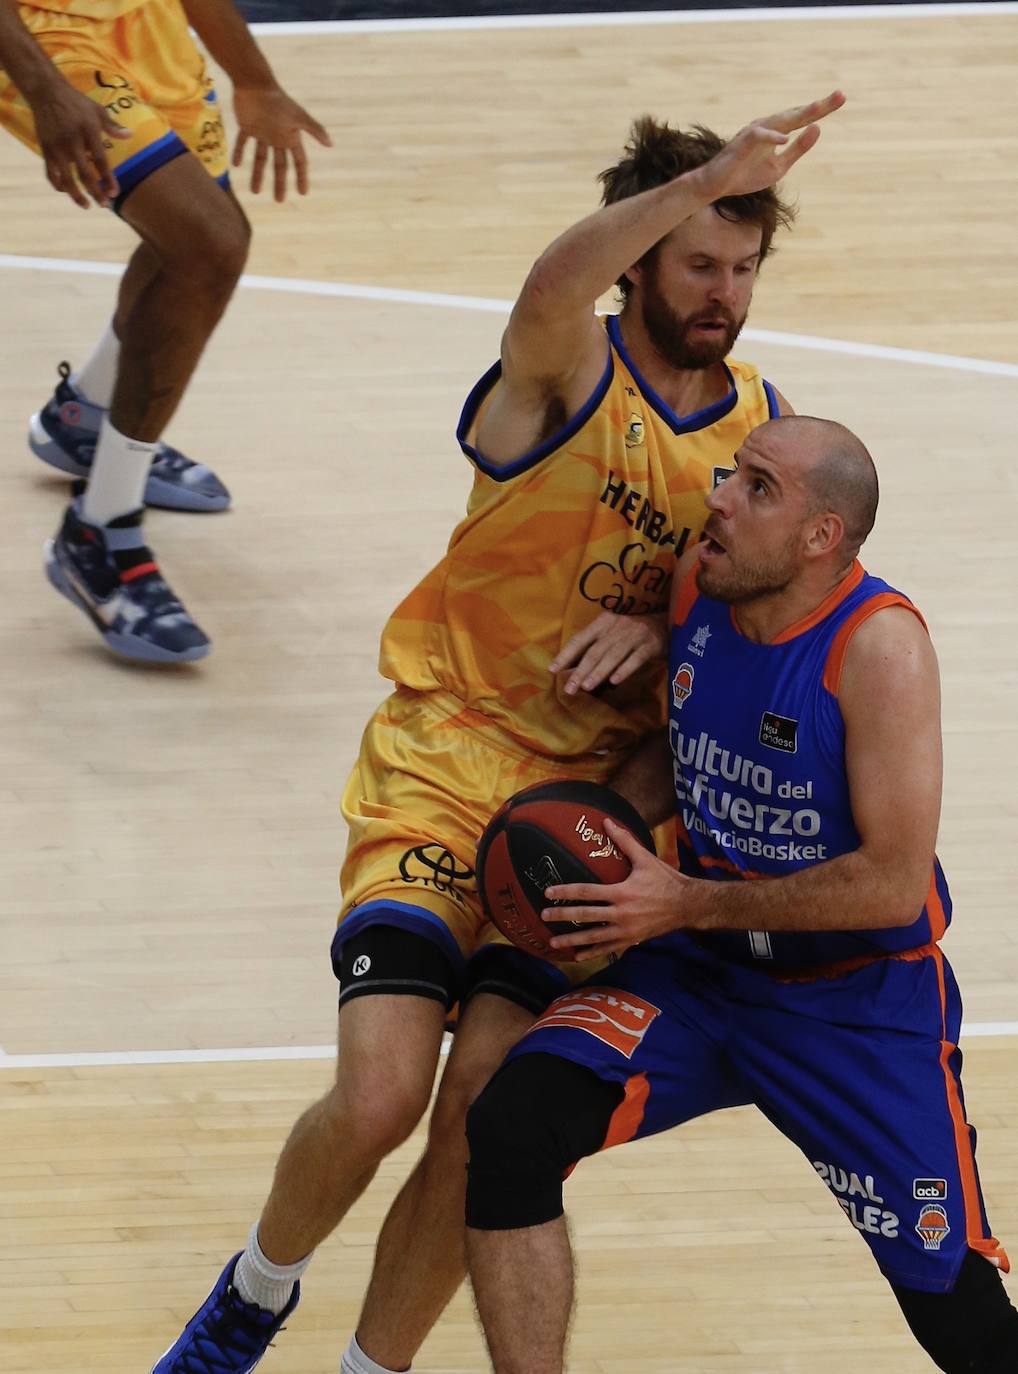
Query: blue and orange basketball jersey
x=758, y=744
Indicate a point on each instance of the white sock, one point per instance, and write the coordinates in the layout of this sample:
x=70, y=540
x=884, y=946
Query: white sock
x=97, y=378
x=116, y=483
x=260, y=1281
x=355, y=1361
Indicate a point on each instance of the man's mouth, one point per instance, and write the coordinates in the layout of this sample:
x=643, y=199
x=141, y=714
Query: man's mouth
x=711, y=547
x=714, y=324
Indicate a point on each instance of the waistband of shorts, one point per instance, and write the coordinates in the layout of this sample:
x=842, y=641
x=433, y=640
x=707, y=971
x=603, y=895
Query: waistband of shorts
x=446, y=706
x=811, y=973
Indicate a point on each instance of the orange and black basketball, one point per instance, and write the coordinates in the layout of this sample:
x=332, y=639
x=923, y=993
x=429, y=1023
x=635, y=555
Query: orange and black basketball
x=550, y=833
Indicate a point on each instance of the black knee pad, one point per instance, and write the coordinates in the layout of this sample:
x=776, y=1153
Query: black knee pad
x=971, y=1330
x=530, y=1125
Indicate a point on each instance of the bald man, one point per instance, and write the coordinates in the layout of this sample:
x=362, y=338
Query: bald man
x=803, y=752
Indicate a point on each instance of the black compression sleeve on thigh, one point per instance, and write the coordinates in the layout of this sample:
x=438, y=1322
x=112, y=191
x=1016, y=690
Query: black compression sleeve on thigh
x=971, y=1330
x=530, y=1125
x=513, y=974
x=388, y=959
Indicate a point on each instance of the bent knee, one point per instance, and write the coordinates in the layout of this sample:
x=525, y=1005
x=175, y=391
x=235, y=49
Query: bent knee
x=374, y=1121
x=530, y=1125
x=221, y=248
x=208, y=246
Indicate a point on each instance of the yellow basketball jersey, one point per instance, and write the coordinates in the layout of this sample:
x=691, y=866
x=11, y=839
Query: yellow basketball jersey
x=100, y=10
x=591, y=520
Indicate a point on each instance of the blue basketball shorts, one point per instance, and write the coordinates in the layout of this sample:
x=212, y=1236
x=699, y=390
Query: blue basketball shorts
x=861, y=1070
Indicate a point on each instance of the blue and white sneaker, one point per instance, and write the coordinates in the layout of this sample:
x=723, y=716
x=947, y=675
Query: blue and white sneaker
x=226, y=1335
x=108, y=572
x=65, y=432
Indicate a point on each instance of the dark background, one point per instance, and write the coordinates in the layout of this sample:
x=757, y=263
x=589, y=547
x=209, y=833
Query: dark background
x=269, y=10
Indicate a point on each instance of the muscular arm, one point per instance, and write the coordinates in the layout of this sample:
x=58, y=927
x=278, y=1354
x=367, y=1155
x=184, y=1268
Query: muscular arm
x=264, y=111
x=553, y=350
x=890, y=701
x=646, y=778
x=21, y=57
x=69, y=127
x=221, y=27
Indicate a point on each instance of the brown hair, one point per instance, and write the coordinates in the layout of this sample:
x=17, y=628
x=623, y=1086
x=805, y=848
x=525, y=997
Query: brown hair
x=656, y=154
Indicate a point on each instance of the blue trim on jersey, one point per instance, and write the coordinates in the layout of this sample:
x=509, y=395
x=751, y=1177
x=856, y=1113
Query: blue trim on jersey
x=403, y=916
x=509, y=470
x=224, y=181
x=700, y=419
x=147, y=160
x=773, y=406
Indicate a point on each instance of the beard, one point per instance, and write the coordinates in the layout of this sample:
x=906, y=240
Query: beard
x=673, y=338
x=737, y=581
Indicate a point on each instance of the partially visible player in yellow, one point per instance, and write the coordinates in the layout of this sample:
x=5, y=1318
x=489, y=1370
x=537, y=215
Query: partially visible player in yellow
x=114, y=95
x=534, y=650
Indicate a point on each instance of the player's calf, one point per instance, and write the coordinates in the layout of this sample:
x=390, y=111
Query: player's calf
x=971, y=1330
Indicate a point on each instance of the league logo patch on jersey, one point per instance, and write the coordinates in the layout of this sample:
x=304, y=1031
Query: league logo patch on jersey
x=682, y=684
x=699, y=641
x=932, y=1226
x=778, y=732
x=634, y=431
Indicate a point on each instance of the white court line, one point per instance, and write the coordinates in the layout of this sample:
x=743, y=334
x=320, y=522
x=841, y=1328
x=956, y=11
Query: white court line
x=629, y=20
x=301, y=286
x=102, y=1059
x=271, y=1053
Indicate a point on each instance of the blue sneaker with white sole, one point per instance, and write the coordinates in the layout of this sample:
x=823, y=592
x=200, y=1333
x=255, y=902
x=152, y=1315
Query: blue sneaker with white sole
x=108, y=572
x=226, y=1335
x=65, y=432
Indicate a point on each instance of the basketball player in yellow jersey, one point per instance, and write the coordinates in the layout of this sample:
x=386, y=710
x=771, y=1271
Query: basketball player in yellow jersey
x=114, y=96
x=594, y=448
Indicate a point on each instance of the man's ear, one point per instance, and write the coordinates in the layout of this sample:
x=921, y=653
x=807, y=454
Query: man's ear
x=825, y=533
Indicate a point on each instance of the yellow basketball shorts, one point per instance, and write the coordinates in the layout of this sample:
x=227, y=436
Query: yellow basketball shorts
x=145, y=69
x=430, y=776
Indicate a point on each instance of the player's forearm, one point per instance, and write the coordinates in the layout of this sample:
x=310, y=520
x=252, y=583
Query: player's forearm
x=21, y=57
x=221, y=27
x=852, y=892
x=588, y=259
x=645, y=779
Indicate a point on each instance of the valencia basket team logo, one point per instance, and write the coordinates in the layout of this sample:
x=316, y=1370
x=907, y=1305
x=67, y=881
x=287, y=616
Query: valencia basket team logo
x=682, y=684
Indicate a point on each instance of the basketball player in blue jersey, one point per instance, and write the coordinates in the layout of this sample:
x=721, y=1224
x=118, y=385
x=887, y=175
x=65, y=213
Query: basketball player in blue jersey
x=554, y=439
x=802, y=752
x=114, y=97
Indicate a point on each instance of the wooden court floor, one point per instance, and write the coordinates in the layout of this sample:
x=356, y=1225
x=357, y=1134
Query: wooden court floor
x=169, y=842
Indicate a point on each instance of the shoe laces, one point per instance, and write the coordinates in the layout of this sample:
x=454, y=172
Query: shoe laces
x=170, y=461
x=228, y=1338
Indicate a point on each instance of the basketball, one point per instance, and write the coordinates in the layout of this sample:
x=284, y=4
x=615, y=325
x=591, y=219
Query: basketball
x=550, y=833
